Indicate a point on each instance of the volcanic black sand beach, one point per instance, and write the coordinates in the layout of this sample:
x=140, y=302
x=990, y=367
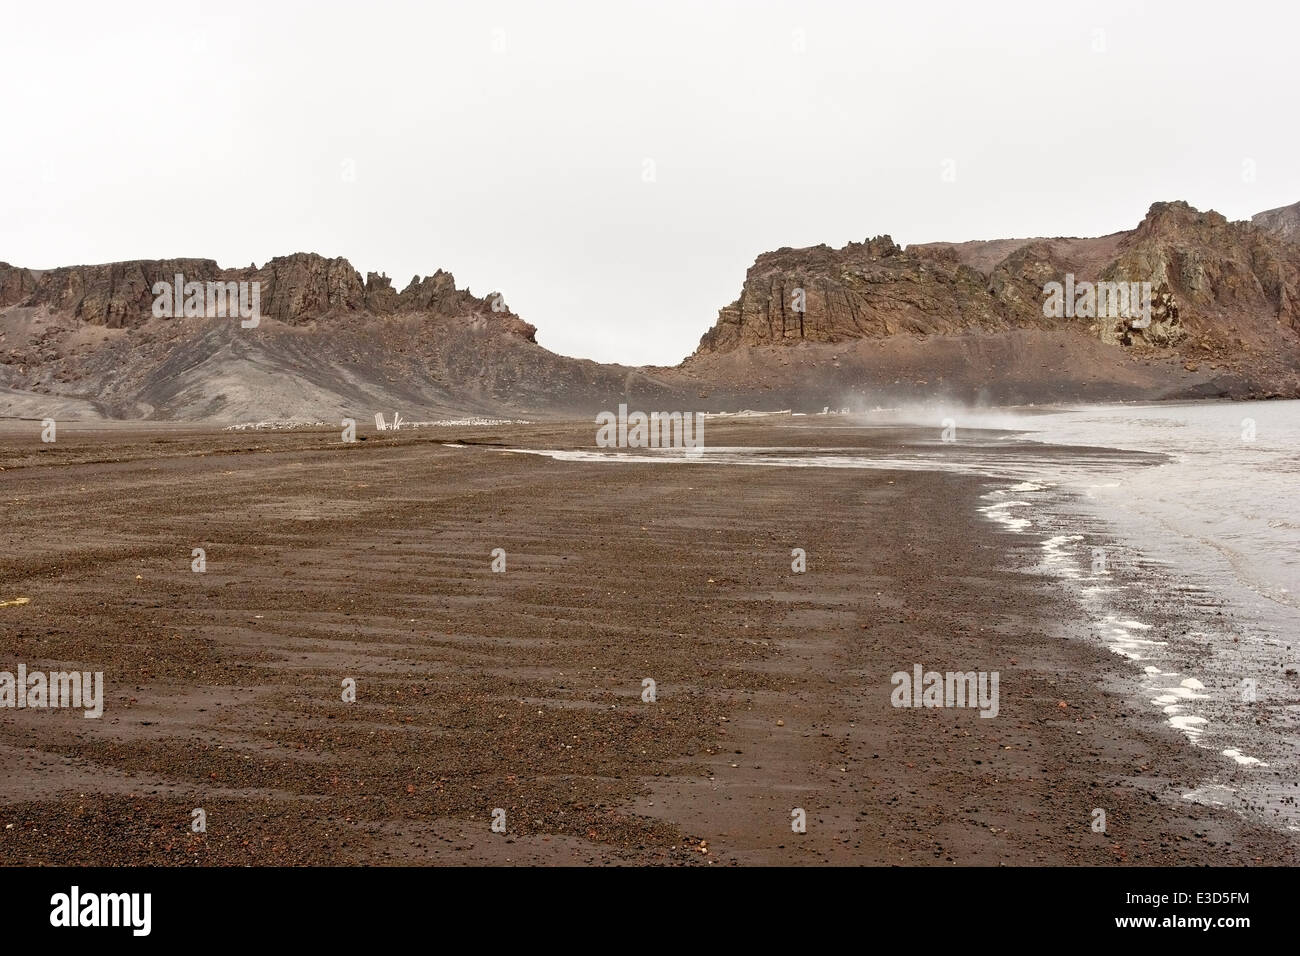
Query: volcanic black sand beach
x=522, y=689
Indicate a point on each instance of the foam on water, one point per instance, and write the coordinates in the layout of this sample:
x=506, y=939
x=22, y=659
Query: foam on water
x=1124, y=635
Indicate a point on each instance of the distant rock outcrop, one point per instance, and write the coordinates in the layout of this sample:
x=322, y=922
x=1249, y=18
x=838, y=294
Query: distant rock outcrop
x=299, y=288
x=115, y=295
x=1283, y=222
x=1202, y=269
x=325, y=341
x=866, y=324
x=1223, y=294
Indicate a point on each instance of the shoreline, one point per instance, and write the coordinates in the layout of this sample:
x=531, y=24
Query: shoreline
x=1187, y=644
x=522, y=690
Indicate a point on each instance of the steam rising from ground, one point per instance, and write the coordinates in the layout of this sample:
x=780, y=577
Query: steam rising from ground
x=934, y=413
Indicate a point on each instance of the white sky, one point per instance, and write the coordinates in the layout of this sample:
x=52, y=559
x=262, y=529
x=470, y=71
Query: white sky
x=222, y=129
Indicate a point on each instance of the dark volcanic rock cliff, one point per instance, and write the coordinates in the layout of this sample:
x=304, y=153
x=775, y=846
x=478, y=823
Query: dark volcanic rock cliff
x=328, y=344
x=295, y=289
x=16, y=285
x=857, y=326
x=1213, y=269
x=1224, y=300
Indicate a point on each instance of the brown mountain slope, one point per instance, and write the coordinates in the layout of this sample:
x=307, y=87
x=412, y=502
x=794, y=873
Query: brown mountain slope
x=956, y=319
x=961, y=321
x=1283, y=222
x=83, y=339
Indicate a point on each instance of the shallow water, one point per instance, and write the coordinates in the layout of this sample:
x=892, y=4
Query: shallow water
x=1197, y=508
x=1220, y=512
x=1222, y=503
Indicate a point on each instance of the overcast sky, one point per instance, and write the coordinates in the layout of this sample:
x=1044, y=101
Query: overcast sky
x=511, y=143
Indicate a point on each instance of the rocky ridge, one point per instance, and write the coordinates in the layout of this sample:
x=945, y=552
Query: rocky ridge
x=295, y=289
x=1223, y=301
x=1203, y=269
x=879, y=323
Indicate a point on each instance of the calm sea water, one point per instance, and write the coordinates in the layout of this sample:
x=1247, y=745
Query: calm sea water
x=1225, y=503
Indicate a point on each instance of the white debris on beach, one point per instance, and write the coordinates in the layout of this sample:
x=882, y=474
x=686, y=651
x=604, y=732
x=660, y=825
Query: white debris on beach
x=747, y=413
x=448, y=422
x=290, y=425
x=276, y=426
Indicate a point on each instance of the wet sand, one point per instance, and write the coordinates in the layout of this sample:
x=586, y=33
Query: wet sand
x=522, y=690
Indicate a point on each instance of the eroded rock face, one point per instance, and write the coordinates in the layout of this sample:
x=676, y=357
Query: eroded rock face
x=306, y=286
x=117, y=294
x=1221, y=273
x=16, y=285
x=813, y=327
x=294, y=290
x=437, y=292
x=88, y=333
x=868, y=289
x=1283, y=222
x=1164, y=330
x=1208, y=276
x=380, y=296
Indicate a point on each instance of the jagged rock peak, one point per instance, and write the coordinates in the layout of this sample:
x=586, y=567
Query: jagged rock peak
x=294, y=289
